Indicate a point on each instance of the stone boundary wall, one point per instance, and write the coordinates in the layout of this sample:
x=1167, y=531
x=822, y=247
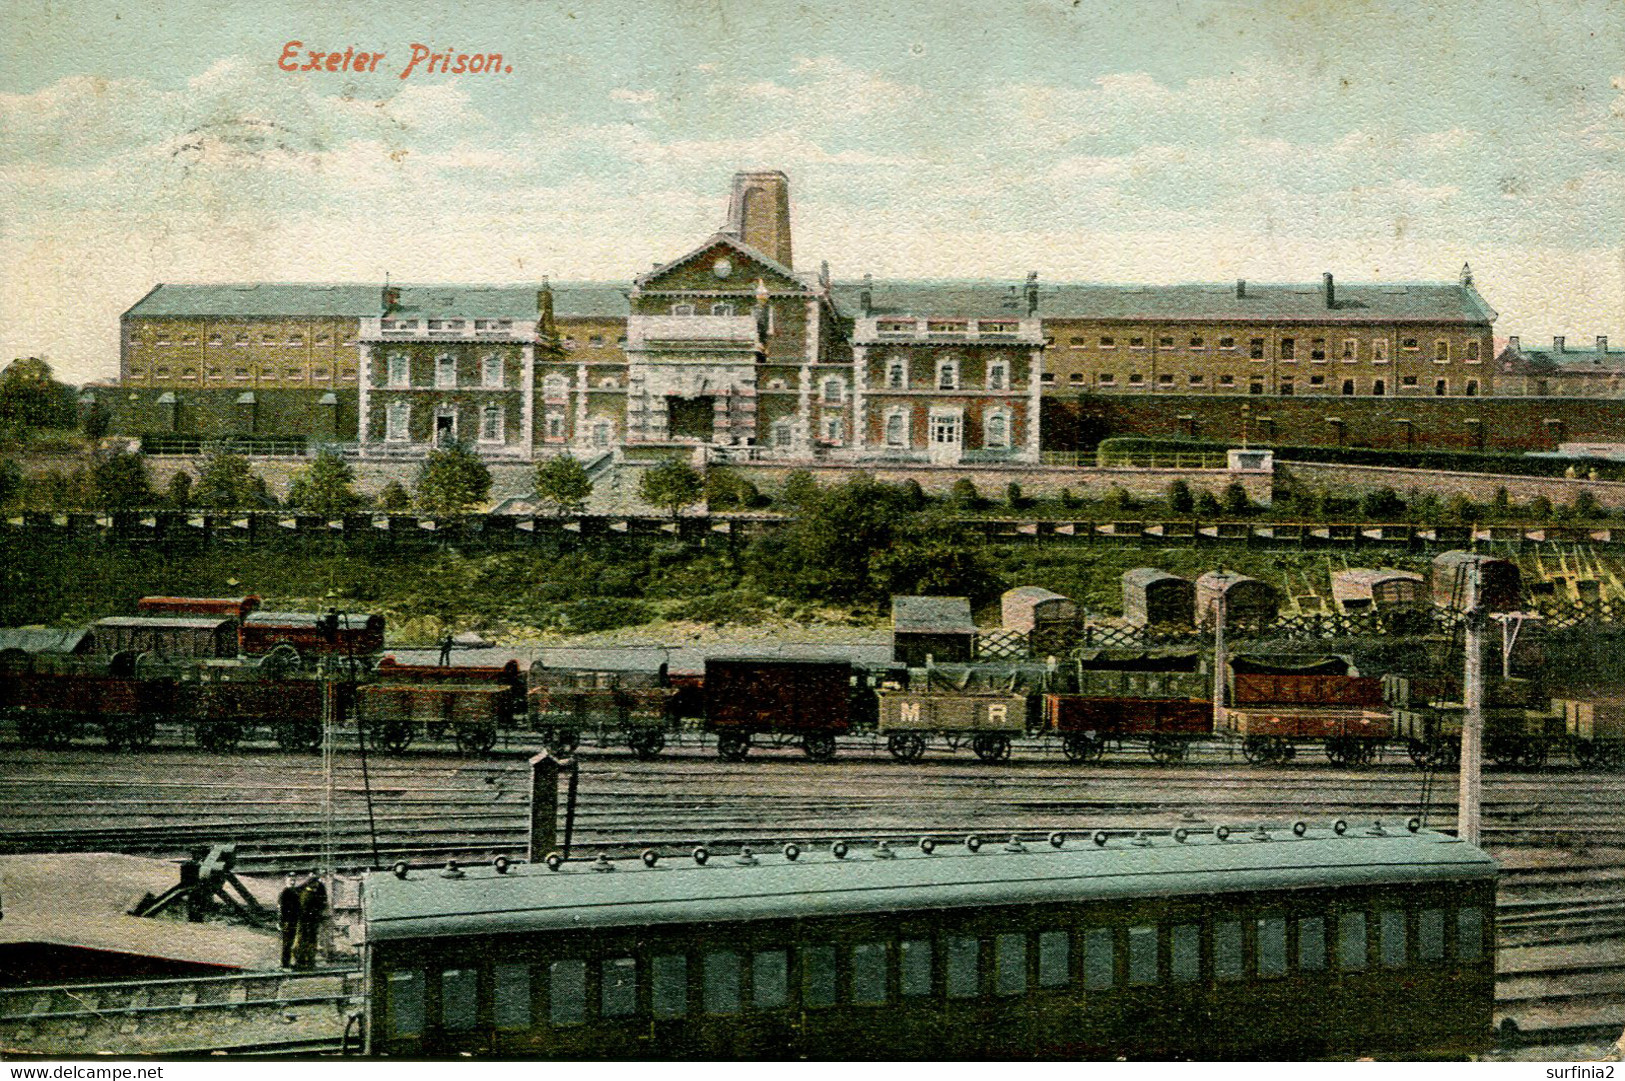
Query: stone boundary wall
x=1479, y=487
x=1035, y=481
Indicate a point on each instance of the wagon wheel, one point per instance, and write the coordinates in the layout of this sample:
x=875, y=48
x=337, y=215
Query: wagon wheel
x=565, y=740
x=1613, y=755
x=34, y=731
x=733, y=746
x=476, y=738
x=906, y=746
x=1444, y=752
x=1504, y=751
x=298, y=735
x=1167, y=749
x=819, y=746
x=1586, y=754
x=1534, y=755
x=1083, y=747
x=435, y=732
x=142, y=732
x=646, y=743
x=1258, y=750
x=1339, y=752
x=1418, y=751
x=991, y=747
x=219, y=736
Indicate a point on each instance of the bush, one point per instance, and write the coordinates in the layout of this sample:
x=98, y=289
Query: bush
x=799, y=489
x=324, y=487
x=394, y=497
x=1207, y=505
x=1382, y=504
x=1180, y=500
x=1068, y=500
x=1012, y=496
x=179, y=490
x=452, y=480
x=593, y=614
x=1236, y=502
x=1585, y=506
x=119, y=481
x=911, y=497
x=724, y=489
x=964, y=496
x=1540, y=508
x=1464, y=510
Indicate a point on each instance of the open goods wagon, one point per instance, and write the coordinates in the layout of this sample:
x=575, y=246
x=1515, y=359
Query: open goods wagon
x=1088, y=726
x=473, y=705
x=1274, y=712
x=56, y=698
x=630, y=705
x=807, y=703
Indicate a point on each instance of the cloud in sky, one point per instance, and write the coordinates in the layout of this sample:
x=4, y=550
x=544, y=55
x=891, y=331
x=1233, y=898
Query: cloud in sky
x=951, y=146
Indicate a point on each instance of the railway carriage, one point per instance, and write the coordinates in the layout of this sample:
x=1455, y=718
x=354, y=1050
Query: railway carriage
x=307, y=634
x=1269, y=943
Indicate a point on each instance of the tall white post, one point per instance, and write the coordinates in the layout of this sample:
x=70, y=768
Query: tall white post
x=1472, y=721
x=1220, y=661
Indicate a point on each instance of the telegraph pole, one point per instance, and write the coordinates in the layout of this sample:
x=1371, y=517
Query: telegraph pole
x=1219, y=660
x=1475, y=623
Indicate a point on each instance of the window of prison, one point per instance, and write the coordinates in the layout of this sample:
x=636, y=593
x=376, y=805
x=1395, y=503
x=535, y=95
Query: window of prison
x=445, y=370
x=397, y=422
x=834, y=390
x=555, y=388
x=948, y=375
x=996, y=429
x=897, y=374
x=491, y=424
x=997, y=374
x=491, y=370
x=896, y=428
x=400, y=370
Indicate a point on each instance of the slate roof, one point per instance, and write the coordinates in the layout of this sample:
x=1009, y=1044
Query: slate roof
x=932, y=615
x=1569, y=360
x=313, y=300
x=531, y=898
x=1397, y=302
x=45, y=639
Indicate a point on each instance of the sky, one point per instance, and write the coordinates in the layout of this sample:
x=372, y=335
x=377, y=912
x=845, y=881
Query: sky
x=1141, y=140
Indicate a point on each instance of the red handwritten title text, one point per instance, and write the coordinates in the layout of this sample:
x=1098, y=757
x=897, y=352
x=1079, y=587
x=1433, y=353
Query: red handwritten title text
x=423, y=61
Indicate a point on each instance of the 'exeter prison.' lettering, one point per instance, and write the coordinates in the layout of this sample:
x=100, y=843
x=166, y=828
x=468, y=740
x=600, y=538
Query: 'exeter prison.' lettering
x=423, y=61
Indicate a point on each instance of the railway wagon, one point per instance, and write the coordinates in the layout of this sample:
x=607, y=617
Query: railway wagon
x=1596, y=729
x=357, y=634
x=171, y=638
x=1348, y=736
x=473, y=703
x=787, y=702
x=631, y=705
x=1088, y=726
x=57, y=698
x=1501, y=583
x=1276, y=688
x=1247, y=601
x=1514, y=738
x=237, y=608
x=987, y=722
x=1141, y=673
x=1274, y=943
x=225, y=701
x=1364, y=589
x=1155, y=598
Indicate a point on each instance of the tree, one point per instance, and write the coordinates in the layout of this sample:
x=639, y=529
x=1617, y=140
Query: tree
x=799, y=489
x=563, y=482
x=1207, y=504
x=1585, y=507
x=451, y=480
x=963, y=495
x=96, y=421
x=1540, y=508
x=1382, y=504
x=324, y=487
x=394, y=497
x=673, y=484
x=1180, y=500
x=1501, y=504
x=725, y=488
x=119, y=481
x=31, y=398
x=11, y=482
x=1236, y=502
x=179, y=491
x=226, y=482
x=1462, y=509
x=1012, y=496
x=1118, y=501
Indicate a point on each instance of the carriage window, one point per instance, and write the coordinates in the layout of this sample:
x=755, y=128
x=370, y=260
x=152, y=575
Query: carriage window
x=1010, y=964
x=770, y=979
x=512, y=996
x=1392, y=924
x=459, y=988
x=817, y=976
x=1430, y=934
x=1271, y=946
x=1142, y=956
x=1054, y=968
x=619, y=996
x=567, y=992
x=1185, y=950
x=869, y=974
x=721, y=982
x=1469, y=934
x=1351, y=941
x=1227, y=950
x=405, y=1003
x=1099, y=959
x=914, y=965
x=668, y=985
x=1311, y=944
x=964, y=956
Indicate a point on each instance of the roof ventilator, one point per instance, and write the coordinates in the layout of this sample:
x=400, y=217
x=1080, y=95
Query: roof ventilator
x=1300, y=828
x=747, y=858
x=1222, y=833
x=501, y=864
x=1057, y=839
x=1181, y=835
x=650, y=857
x=1100, y=838
x=452, y=870
x=838, y=850
x=400, y=869
x=792, y=852
x=701, y=854
x=1340, y=827
x=883, y=851
x=927, y=845
x=1414, y=824
x=554, y=861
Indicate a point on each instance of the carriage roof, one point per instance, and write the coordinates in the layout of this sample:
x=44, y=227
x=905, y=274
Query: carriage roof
x=584, y=896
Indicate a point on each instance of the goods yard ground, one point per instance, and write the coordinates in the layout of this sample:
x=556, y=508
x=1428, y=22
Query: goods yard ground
x=1560, y=834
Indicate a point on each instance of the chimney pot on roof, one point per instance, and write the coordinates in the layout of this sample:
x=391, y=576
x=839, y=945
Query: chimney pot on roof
x=1032, y=292
x=1557, y=342
x=1241, y=288
x=1602, y=343
x=866, y=298
x=1512, y=344
x=1331, y=290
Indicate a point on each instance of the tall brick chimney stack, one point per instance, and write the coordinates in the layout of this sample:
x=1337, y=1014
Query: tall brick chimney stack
x=1331, y=290
x=759, y=213
x=1557, y=343
x=1241, y=288
x=1602, y=343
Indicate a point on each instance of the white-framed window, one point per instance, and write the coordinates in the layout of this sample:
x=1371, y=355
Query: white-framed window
x=1317, y=349
x=896, y=434
x=603, y=432
x=1227, y=343
x=491, y=424
x=998, y=374
x=1136, y=343
x=445, y=425
x=491, y=370
x=1441, y=387
x=947, y=374
x=1351, y=349
x=1379, y=350
x=834, y=391
x=1136, y=379
x=1106, y=379
x=400, y=370
x=996, y=429
x=554, y=426
x=397, y=422
x=722, y=309
x=555, y=388
x=1472, y=352
x=1441, y=351
x=782, y=434
x=1108, y=341
x=897, y=374
x=1472, y=388
x=946, y=425
x=682, y=309
x=832, y=430
x=445, y=371
x=1410, y=345
x=1198, y=342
